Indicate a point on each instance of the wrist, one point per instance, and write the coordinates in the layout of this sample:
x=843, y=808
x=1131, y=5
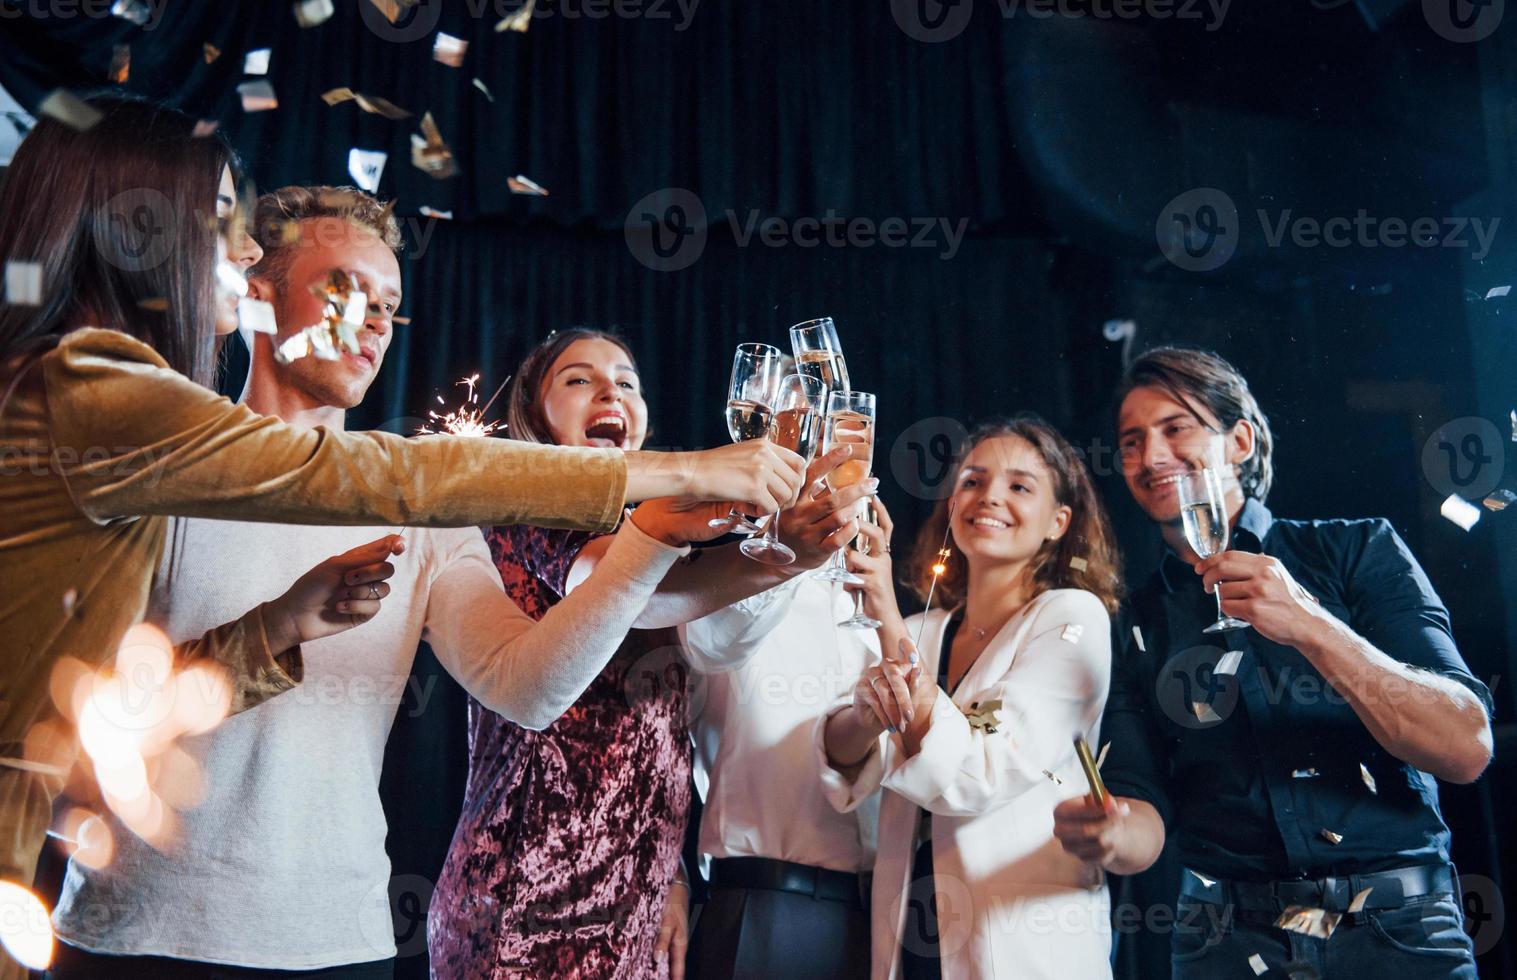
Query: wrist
x=655, y=474
x=656, y=530
x=279, y=627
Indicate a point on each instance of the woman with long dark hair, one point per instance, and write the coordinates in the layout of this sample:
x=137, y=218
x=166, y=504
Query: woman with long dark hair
x=971, y=736
x=567, y=851
x=106, y=427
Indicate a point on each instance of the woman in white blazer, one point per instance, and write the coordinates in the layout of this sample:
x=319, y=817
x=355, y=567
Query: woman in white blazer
x=972, y=738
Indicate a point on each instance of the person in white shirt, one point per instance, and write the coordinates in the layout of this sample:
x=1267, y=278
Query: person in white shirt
x=786, y=868
x=972, y=737
x=282, y=866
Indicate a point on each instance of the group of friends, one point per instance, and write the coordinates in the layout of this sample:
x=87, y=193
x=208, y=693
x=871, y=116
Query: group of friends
x=899, y=803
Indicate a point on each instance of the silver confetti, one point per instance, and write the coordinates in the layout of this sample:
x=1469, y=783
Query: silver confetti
x=1305, y=774
x=1496, y=291
x=23, y=283
x=135, y=11
x=256, y=62
x=481, y=86
x=1460, y=511
x=365, y=167
x=1317, y=923
x=1137, y=634
x=69, y=109
x=311, y=13
x=518, y=21
x=1257, y=964
x=257, y=316
x=1228, y=665
x=449, y=50
x=257, y=96
x=1369, y=780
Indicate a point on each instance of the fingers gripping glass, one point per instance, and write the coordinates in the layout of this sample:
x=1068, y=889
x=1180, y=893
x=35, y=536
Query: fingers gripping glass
x=757, y=370
x=850, y=422
x=861, y=620
x=1203, y=514
x=796, y=425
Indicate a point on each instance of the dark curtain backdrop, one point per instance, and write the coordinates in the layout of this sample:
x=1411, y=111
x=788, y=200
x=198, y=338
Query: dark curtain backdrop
x=1058, y=141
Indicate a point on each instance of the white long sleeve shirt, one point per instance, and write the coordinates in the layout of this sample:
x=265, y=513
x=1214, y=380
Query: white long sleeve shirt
x=770, y=671
x=283, y=865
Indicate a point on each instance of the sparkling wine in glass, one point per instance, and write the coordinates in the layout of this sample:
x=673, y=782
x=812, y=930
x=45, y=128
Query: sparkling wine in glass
x=797, y=427
x=850, y=421
x=1203, y=515
x=757, y=370
x=818, y=353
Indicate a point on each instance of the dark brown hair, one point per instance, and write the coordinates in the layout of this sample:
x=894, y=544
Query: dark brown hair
x=1086, y=557
x=121, y=218
x=278, y=214
x=524, y=403
x=1192, y=377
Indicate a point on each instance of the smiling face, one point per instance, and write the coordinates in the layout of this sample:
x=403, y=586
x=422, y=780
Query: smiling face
x=591, y=396
x=1004, y=504
x=244, y=254
x=1159, y=438
x=328, y=244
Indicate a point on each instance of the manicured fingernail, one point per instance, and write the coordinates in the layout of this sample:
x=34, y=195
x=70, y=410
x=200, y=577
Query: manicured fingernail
x=342, y=607
x=914, y=658
x=873, y=484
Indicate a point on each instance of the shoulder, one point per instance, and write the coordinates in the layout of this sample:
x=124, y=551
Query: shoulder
x=1077, y=606
x=95, y=342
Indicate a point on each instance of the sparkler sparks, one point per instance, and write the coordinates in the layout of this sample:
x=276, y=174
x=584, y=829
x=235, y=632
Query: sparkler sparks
x=938, y=568
x=465, y=420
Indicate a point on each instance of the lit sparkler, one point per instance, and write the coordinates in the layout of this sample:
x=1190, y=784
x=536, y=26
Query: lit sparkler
x=938, y=568
x=465, y=420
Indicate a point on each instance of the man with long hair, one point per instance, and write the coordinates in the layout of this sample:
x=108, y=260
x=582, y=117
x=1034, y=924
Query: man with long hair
x=1293, y=760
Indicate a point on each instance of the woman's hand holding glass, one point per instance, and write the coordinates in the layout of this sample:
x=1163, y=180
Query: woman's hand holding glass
x=872, y=564
x=821, y=522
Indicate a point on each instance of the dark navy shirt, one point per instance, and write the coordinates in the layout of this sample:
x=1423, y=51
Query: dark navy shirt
x=1264, y=772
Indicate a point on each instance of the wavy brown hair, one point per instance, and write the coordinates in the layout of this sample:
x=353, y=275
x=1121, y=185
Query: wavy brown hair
x=1088, y=538
x=524, y=403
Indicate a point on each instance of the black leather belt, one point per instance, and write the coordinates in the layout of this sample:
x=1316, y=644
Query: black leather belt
x=786, y=876
x=1389, y=889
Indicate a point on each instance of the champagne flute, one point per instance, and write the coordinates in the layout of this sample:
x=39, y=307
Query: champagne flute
x=1203, y=514
x=818, y=353
x=757, y=370
x=860, y=620
x=850, y=422
x=797, y=426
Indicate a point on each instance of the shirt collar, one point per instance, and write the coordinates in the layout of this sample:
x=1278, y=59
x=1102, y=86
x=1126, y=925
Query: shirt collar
x=1248, y=534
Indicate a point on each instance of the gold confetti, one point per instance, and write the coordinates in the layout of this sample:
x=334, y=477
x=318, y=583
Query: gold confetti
x=449, y=50
x=1500, y=500
x=121, y=64
x=481, y=86
x=135, y=11
x=400, y=321
x=69, y=109
x=522, y=184
x=211, y=52
x=429, y=153
x=256, y=62
x=427, y=212
x=518, y=21
x=1079, y=564
x=391, y=8
x=1369, y=780
x=1460, y=511
x=982, y=717
x=155, y=304
x=368, y=103
x=257, y=96
x=1357, y=905
x=23, y=283
x=1257, y=964
x=1331, y=836
x=206, y=127
x=1204, y=712
x=1054, y=777
x=312, y=13
x=1317, y=923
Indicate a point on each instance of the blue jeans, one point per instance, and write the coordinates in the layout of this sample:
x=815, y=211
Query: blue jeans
x=1421, y=940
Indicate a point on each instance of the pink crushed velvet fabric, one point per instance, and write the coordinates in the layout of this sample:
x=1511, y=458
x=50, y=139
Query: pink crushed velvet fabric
x=569, y=837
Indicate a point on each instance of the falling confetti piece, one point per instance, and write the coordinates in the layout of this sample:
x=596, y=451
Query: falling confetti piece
x=1079, y=564
x=518, y=21
x=1460, y=511
x=135, y=11
x=1101, y=758
x=256, y=62
x=1369, y=780
x=449, y=50
x=427, y=212
x=70, y=601
x=481, y=86
x=230, y=279
x=69, y=109
x=1305, y=774
x=206, y=127
x=1500, y=500
x=429, y=153
x=1317, y=923
x=400, y=320
x=1229, y=663
x=257, y=96
x=312, y=13
x=1204, y=712
x=1514, y=425
x=521, y=184
x=1496, y=291
x=257, y=316
x=1332, y=837
x=1257, y=964
x=1357, y=905
x=372, y=104
x=121, y=64
x=1137, y=635
x=293, y=348
x=154, y=304
x=365, y=167
x=1054, y=777
x=391, y=8
x=23, y=283
x=1072, y=633
x=1208, y=882
x=211, y=52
